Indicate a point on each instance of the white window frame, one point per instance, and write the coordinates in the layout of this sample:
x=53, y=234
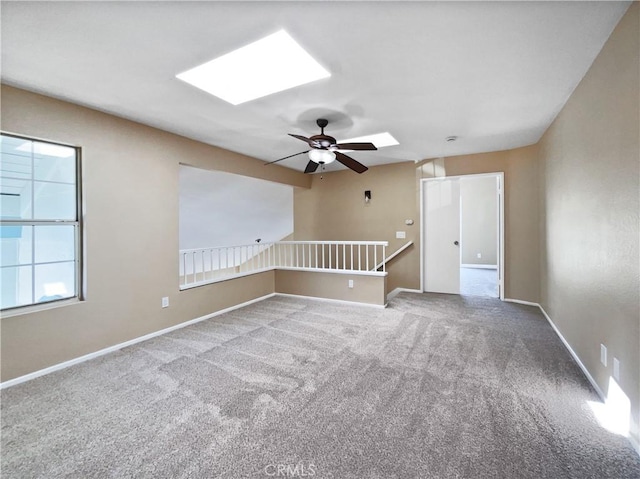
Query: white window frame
x=78, y=236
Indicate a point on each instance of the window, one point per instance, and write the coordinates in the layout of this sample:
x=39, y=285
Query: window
x=39, y=221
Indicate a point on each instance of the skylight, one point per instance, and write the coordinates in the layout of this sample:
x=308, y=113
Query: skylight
x=272, y=64
x=379, y=139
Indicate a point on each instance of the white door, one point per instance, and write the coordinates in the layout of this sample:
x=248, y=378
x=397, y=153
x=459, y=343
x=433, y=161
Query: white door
x=442, y=236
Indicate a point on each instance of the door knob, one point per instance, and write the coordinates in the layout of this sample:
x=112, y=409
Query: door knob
x=456, y=243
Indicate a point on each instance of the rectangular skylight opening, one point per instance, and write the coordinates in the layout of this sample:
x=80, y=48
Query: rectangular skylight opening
x=379, y=139
x=270, y=65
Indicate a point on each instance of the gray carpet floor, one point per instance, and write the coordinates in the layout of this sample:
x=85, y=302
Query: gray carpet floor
x=435, y=386
x=479, y=282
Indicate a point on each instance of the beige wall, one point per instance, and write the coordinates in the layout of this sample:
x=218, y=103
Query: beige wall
x=589, y=209
x=521, y=209
x=479, y=220
x=130, y=177
x=334, y=209
x=366, y=289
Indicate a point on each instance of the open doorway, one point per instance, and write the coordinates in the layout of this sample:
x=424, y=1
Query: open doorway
x=479, y=235
x=462, y=235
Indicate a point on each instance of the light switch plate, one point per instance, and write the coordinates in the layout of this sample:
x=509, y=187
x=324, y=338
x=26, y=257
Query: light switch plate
x=401, y=234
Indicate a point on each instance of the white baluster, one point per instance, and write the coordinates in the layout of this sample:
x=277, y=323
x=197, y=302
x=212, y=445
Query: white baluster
x=384, y=258
x=366, y=251
x=351, y=256
x=344, y=256
x=202, y=264
x=193, y=266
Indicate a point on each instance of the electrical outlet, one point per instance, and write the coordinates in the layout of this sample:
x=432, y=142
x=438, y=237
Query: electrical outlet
x=165, y=302
x=401, y=234
x=616, y=369
x=479, y=255
x=351, y=283
x=603, y=354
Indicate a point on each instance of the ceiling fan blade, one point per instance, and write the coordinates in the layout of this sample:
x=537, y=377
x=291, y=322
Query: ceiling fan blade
x=311, y=167
x=309, y=141
x=280, y=159
x=350, y=162
x=356, y=146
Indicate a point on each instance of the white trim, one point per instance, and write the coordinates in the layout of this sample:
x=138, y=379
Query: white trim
x=338, y=271
x=268, y=245
x=501, y=230
x=33, y=308
x=501, y=235
x=422, y=235
x=635, y=444
x=184, y=287
x=330, y=300
x=519, y=301
x=585, y=371
x=575, y=356
x=390, y=257
x=479, y=266
x=116, y=347
x=397, y=291
x=370, y=243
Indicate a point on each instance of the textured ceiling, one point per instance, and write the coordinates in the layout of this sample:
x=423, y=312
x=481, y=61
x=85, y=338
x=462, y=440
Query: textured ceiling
x=495, y=74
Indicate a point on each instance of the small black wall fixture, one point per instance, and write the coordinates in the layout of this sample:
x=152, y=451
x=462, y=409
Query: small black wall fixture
x=367, y=196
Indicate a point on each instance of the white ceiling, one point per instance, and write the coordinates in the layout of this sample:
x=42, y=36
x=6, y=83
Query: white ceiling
x=495, y=74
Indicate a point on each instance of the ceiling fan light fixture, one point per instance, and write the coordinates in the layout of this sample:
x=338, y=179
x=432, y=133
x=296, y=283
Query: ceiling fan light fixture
x=322, y=157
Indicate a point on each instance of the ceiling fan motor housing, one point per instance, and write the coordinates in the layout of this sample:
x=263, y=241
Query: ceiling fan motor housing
x=323, y=141
x=325, y=149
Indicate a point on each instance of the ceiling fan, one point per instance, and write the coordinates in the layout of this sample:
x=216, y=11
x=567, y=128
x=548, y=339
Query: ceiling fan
x=324, y=150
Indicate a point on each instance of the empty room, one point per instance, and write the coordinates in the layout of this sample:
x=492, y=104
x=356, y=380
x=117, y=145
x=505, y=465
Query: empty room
x=322, y=239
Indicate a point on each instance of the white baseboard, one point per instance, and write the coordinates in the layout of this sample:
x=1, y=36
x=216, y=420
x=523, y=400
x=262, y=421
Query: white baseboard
x=566, y=345
x=635, y=444
x=480, y=266
x=116, y=347
x=575, y=356
x=519, y=301
x=397, y=291
x=329, y=300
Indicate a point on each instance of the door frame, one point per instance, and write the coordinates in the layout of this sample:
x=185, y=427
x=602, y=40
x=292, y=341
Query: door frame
x=501, y=235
